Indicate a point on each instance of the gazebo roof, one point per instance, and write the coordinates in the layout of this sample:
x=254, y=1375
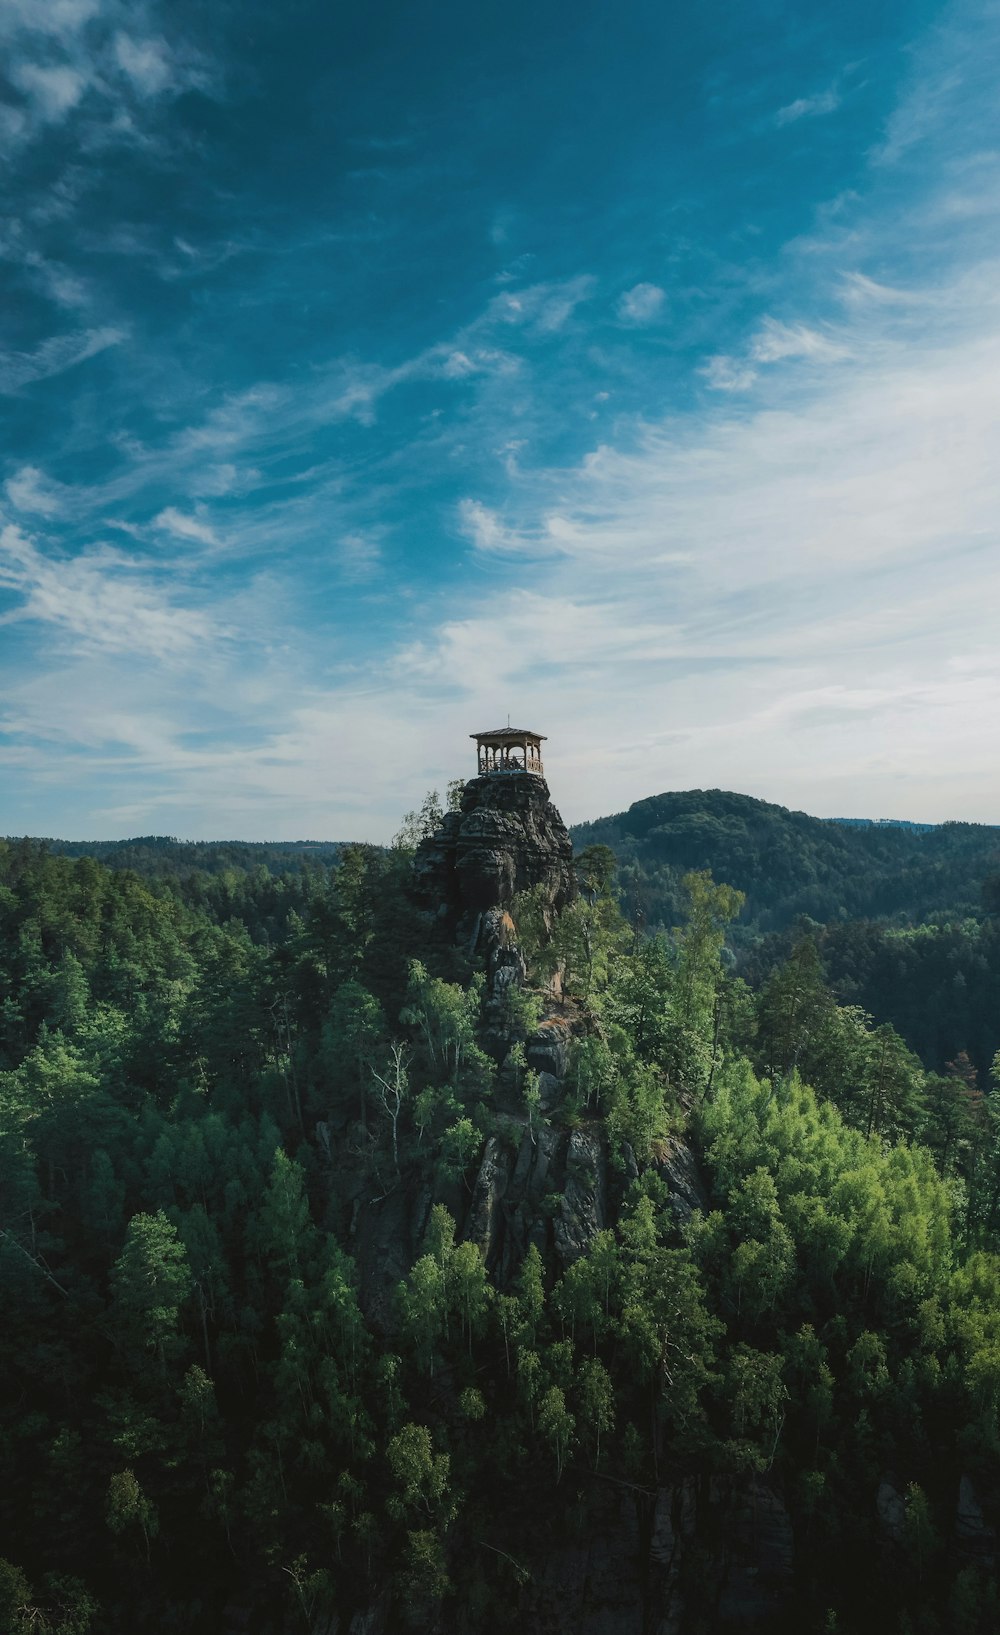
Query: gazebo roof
x=517, y=734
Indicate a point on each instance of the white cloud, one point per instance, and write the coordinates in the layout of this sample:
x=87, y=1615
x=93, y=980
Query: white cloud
x=768, y=598
x=146, y=63
x=183, y=526
x=58, y=18
x=359, y=555
x=775, y=341
x=542, y=309
x=857, y=290
x=70, y=61
x=726, y=374
x=641, y=304
x=486, y=530
x=53, y=90
x=920, y=116
x=824, y=102
x=100, y=600
x=31, y=491
x=55, y=356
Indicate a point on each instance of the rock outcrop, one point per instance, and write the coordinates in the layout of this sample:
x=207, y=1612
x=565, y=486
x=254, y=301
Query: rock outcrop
x=506, y=837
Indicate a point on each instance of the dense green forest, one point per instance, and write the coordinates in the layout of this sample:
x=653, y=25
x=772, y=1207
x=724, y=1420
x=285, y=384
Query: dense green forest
x=164, y=855
x=790, y=865
x=905, y=918
x=260, y=1369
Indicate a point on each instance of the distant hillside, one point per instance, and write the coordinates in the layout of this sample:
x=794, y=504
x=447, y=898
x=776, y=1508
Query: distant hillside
x=884, y=823
x=160, y=856
x=790, y=864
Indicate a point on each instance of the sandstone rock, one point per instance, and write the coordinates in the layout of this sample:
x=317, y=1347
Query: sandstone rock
x=506, y=838
x=891, y=1510
x=675, y=1517
x=551, y=1090
x=759, y=1556
x=547, y=1051
x=374, y=1619
x=973, y=1534
x=387, y=1234
x=538, y=1171
x=484, y=1225
x=582, y=1210
x=592, y=1587
x=680, y=1171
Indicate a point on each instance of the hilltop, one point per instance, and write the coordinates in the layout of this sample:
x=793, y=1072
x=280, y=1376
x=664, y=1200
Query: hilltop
x=790, y=864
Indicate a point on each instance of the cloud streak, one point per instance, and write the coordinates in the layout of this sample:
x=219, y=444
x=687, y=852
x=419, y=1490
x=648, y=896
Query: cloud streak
x=100, y=600
x=54, y=356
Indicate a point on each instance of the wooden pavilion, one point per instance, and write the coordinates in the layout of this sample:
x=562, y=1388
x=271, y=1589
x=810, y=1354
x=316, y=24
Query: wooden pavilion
x=509, y=749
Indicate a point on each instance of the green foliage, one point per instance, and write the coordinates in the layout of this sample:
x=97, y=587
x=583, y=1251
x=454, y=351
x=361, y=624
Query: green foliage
x=420, y=1474
x=421, y=824
x=150, y=1281
x=207, y=1402
x=788, y=864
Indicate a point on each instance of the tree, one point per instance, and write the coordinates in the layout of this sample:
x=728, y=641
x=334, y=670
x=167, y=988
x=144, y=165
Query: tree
x=285, y=1234
x=445, y=1016
x=758, y=1396
x=421, y=1475
x=151, y=1281
x=390, y=1090
x=352, y=1039
x=700, y=940
x=594, y=868
x=557, y=1425
x=597, y=1402
x=792, y=1007
x=63, y=1608
x=422, y=823
x=127, y=1506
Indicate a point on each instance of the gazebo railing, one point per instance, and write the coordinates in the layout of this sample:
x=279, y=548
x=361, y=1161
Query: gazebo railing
x=490, y=765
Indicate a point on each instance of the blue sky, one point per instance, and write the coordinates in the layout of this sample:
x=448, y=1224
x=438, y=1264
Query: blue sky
x=369, y=373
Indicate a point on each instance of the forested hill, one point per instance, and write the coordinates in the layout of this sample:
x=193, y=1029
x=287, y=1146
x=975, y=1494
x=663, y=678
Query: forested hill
x=163, y=856
x=790, y=864
x=787, y=863
x=350, y=1282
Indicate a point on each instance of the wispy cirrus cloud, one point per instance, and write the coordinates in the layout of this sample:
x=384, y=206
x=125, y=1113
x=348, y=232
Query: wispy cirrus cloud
x=55, y=355
x=487, y=532
x=97, y=60
x=776, y=340
x=102, y=600
x=31, y=491
x=181, y=525
x=380, y=479
x=811, y=107
x=359, y=554
x=821, y=544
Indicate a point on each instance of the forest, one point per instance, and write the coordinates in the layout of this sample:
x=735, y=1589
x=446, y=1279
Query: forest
x=791, y=865
x=262, y=1371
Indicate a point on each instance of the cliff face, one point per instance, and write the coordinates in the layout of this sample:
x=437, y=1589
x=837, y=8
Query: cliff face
x=506, y=838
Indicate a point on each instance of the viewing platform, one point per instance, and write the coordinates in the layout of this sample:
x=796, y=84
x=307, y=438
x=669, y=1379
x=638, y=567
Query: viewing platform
x=509, y=749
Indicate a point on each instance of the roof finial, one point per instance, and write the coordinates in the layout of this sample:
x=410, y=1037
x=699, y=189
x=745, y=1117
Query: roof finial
x=508, y=718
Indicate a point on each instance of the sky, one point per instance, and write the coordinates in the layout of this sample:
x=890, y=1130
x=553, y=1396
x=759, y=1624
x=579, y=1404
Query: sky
x=372, y=373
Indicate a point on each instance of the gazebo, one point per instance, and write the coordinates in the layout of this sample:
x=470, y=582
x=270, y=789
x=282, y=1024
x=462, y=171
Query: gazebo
x=509, y=749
